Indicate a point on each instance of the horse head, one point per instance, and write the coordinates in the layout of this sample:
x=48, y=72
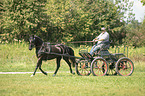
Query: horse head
x=34, y=41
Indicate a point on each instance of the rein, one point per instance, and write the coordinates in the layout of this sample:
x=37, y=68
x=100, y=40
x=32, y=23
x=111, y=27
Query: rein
x=81, y=42
x=65, y=43
x=73, y=42
x=69, y=42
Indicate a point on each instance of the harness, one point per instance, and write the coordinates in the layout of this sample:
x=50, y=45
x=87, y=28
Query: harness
x=47, y=47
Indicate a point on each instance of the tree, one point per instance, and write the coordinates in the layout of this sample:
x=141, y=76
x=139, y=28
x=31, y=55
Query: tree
x=135, y=35
x=64, y=20
x=19, y=17
x=81, y=19
x=143, y=1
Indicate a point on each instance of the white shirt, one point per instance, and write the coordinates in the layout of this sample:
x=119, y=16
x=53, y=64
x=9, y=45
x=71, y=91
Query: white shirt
x=104, y=36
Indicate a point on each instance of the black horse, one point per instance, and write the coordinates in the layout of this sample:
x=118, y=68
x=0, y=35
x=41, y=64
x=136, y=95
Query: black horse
x=43, y=47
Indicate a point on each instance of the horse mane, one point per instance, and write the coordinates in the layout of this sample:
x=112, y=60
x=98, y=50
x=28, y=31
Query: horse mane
x=38, y=38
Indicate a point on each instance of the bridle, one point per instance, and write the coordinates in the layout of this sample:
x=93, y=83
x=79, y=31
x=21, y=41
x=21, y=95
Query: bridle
x=32, y=42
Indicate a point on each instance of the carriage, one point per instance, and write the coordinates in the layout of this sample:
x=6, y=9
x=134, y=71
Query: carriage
x=101, y=63
x=104, y=63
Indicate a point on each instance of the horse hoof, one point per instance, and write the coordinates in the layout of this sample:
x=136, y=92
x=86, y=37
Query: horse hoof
x=32, y=75
x=54, y=75
x=45, y=73
x=73, y=73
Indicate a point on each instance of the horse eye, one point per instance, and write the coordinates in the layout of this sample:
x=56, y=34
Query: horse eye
x=32, y=41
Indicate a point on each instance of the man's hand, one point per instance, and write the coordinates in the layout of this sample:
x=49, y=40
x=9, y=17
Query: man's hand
x=95, y=40
x=101, y=40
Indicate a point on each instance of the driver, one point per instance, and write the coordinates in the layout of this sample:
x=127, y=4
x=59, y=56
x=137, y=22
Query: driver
x=102, y=38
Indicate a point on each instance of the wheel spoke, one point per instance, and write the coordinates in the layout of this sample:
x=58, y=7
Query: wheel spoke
x=98, y=67
x=83, y=67
x=124, y=67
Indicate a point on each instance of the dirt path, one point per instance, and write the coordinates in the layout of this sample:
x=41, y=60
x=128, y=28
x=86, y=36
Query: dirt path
x=29, y=72
x=20, y=72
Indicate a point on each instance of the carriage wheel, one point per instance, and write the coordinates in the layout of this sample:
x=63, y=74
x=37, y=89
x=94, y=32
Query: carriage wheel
x=111, y=70
x=111, y=66
x=99, y=67
x=83, y=67
x=124, y=66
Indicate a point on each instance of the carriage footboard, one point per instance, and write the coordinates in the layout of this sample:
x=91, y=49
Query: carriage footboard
x=86, y=55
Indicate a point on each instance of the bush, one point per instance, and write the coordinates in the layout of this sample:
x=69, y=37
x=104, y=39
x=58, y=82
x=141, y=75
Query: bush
x=135, y=36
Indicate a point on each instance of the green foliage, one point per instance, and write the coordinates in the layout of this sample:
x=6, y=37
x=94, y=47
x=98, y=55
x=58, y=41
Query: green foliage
x=135, y=35
x=63, y=20
x=143, y=1
x=19, y=17
x=80, y=20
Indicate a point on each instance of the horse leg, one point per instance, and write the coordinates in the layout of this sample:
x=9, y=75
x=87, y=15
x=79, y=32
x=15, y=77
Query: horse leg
x=38, y=63
x=58, y=65
x=42, y=70
x=69, y=64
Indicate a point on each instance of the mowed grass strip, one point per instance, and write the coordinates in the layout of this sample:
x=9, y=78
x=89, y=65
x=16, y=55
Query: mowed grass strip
x=65, y=84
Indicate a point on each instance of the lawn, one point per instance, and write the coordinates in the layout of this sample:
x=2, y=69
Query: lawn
x=65, y=84
x=17, y=58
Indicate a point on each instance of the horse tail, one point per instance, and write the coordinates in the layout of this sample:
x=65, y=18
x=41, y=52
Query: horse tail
x=69, y=51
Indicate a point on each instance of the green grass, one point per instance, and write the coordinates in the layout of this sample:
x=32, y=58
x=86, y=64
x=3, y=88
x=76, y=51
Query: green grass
x=65, y=84
x=17, y=58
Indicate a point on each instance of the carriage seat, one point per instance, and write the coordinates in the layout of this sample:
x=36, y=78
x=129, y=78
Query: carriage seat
x=106, y=45
x=104, y=49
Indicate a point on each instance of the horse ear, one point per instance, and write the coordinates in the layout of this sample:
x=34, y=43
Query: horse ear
x=33, y=36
